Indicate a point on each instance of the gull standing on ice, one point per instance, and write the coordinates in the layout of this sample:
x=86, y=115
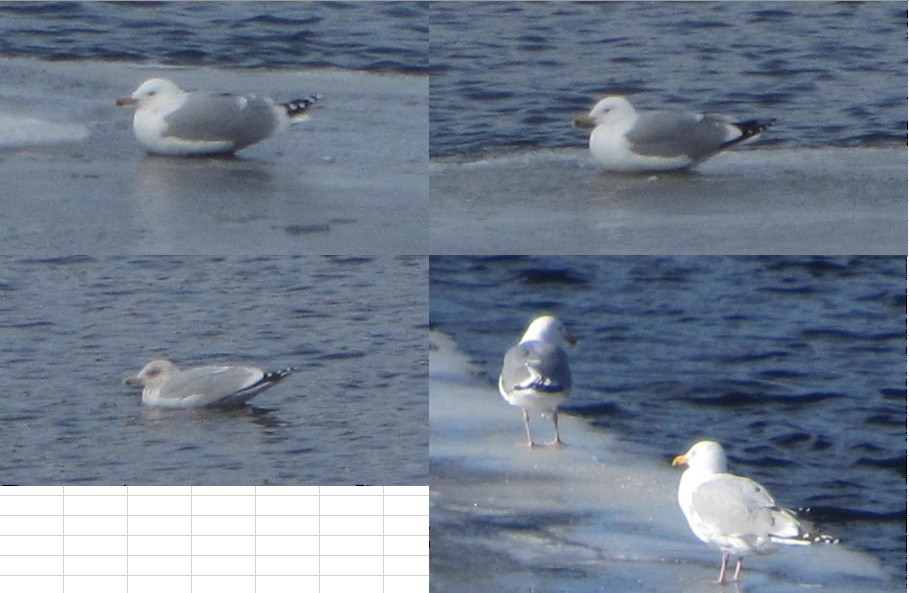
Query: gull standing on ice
x=166, y=386
x=626, y=140
x=535, y=374
x=171, y=121
x=732, y=513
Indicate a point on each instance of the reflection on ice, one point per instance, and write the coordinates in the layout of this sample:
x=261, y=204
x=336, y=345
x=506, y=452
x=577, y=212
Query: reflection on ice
x=590, y=516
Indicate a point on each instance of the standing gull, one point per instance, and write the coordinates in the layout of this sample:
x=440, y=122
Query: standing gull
x=166, y=386
x=626, y=140
x=732, y=513
x=171, y=121
x=535, y=374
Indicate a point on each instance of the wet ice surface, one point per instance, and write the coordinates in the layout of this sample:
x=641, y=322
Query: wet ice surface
x=773, y=201
x=592, y=516
x=74, y=180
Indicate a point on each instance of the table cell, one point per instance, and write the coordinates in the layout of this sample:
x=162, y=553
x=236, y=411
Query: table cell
x=94, y=505
x=287, y=525
x=224, y=491
x=224, y=565
x=160, y=565
x=350, y=545
x=159, y=490
x=160, y=545
x=406, y=545
x=159, y=583
x=160, y=525
x=44, y=584
x=94, y=491
x=350, y=565
x=280, y=545
x=406, y=565
x=31, y=491
x=94, y=565
x=286, y=584
x=224, y=525
x=406, y=490
x=220, y=584
x=11, y=526
x=31, y=565
x=406, y=505
x=223, y=505
x=85, y=525
x=160, y=505
x=95, y=584
x=346, y=584
x=97, y=545
x=405, y=526
x=287, y=565
x=287, y=505
x=337, y=525
x=350, y=505
x=31, y=545
x=224, y=545
x=402, y=584
x=37, y=505
x=351, y=490
x=287, y=491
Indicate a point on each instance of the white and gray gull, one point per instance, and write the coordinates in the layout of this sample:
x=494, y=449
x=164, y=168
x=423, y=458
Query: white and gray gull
x=624, y=139
x=171, y=121
x=535, y=374
x=166, y=386
x=735, y=514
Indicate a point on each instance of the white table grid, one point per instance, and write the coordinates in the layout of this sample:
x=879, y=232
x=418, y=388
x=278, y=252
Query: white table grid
x=201, y=539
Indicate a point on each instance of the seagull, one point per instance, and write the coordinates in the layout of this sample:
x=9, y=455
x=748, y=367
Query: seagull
x=735, y=514
x=535, y=374
x=171, y=121
x=166, y=386
x=626, y=140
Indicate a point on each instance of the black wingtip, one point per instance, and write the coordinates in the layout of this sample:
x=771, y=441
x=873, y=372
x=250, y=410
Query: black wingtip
x=275, y=376
x=297, y=107
x=753, y=127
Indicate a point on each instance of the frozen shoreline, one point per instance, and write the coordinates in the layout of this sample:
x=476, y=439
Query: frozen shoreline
x=74, y=179
x=766, y=201
x=591, y=516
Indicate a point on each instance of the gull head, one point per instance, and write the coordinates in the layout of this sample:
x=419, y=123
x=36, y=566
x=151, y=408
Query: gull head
x=152, y=92
x=608, y=109
x=548, y=329
x=704, y=456
x=152, y=373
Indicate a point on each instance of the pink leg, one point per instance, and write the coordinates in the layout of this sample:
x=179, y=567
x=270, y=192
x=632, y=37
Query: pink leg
x=722, y=578
x=555, y=423
x=738, y=569
x=527, y=427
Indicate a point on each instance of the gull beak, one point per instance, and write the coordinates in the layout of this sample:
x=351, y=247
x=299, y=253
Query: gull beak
x=131, y=380
x=125, y=101
x=679, y=460
x=584, y=121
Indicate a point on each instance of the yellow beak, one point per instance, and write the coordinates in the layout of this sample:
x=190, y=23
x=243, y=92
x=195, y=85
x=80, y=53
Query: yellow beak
x=679, y=460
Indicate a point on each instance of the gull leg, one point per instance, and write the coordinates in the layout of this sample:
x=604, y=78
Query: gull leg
x=738, y=569
x=527, y=427
x=722, y=578
x=555, y=424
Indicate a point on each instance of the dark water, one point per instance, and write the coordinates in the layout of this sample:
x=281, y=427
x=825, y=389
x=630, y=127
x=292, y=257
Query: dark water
x=72, y=328
x=375, y=36
x=510, y=76
x=796, y=364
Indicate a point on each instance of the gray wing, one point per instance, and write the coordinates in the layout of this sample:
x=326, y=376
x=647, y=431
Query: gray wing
x=669, y=134
x=536, y=365
x=223, y=117
x=738, y=506
x=211, y=383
